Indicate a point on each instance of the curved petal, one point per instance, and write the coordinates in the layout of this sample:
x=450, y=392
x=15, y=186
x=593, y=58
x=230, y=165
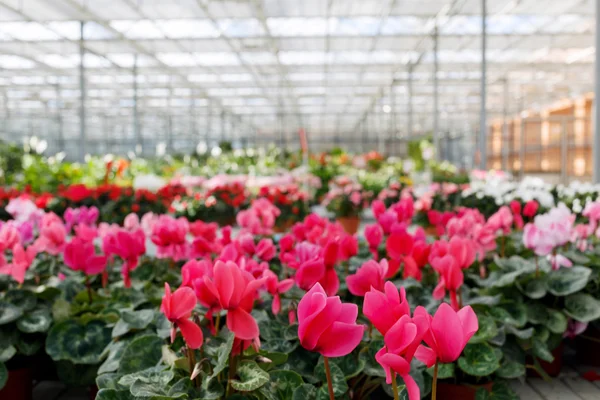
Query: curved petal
x=340, y=339
x=183, y=302
x=223, y=283
x=469, y=322
x=191, y=333
x=414, y=393
x=242, y=324
x=311, y=329
x=448, y=332
x=426, y=355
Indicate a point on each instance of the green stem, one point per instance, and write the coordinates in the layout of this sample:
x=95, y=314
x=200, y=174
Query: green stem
x=434, y=383
x=192, y=364
x=394, y=386
x=329, y=383
x=218, y=322
x=89, y=288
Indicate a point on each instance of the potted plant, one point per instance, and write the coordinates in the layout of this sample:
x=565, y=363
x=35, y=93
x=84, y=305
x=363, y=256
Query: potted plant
x=346, y=200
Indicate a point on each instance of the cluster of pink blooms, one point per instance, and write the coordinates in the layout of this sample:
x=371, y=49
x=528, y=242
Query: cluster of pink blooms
x=312, y=251
x=550, y=231
x=260, y=218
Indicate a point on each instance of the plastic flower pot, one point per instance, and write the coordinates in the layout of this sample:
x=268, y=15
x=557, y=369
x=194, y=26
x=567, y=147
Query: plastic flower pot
x=452, y=391
x=551, y=368
x=19, y=385
x=587, y=346
x=350, y=224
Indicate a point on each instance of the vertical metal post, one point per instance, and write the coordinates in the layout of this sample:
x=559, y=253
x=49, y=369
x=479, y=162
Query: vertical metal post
x=60, y=139
x=82, y=94
x=505, y=148
x=596, y=116
x=222, y=133
x=563, y=151
x=136, y=117
x=409, y=130
x=436, y=113
x=482, y=115
x=392, y=136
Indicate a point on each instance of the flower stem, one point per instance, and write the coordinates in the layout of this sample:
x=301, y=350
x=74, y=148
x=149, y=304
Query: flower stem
x=218, y=322
x=192, y=364
x=89, y=288
x=394, y=386
x=329, y=383
x=434, y=383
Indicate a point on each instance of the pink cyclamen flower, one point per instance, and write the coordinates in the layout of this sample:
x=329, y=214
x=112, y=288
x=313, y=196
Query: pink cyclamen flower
x=178, y=308
x=501, y=220
x=326, y=325
x=275, y=287
x=9, y=236
x=80, y=255
x=383, y=309
x=21, y=261
x=169, y=236
x=52, y=238
x=447, y=335
x=401, y=343
x=530, y=209
x=370, y=275
x=451, y=278
x=265, y=249
x=575, y=328
x=535, y=239
x=236, y=291
x=130, y=246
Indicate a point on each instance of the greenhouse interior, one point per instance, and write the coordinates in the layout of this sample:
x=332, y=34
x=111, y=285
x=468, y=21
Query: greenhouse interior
x=299, y=200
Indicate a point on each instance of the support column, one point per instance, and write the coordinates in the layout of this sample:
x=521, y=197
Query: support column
x=60, y=138
x=482, y=113
x=436, y=113
x=136, y=117
x=82, y=95
x=409, y=130
x=596, y=138
x=506, y=147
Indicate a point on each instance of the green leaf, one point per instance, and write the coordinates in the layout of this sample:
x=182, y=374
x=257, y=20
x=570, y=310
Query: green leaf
x=556, y=322
x=540, y=350
x=81, y=344
x=143, y=352
x=337, y=376
x=483, y=300
x=445, y=371
x=222, y=355
x=9, y=313
x=537, y=313
x=576, y=257
x=6, y=353
x=566, y=281
x=131, y=320
x=76, y=374
x=108, y=381
x=534, y=289
x=511, y=370
x=3, y=375
x=251, y=376
x=305, y=392
x=35, y=321
x=372, y=367
x=520, y=333
x=351, y=365
x=487, y=329
x=284, y=383
x=157, y=375
x=479, y=360
x=24, y=299
x=210, y=389
x=115, y=352
x=29, y=345
x=112, y=394
x=582, y=307
x=61, y=310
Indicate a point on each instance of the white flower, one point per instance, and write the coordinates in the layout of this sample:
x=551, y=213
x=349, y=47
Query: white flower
x=148, y=182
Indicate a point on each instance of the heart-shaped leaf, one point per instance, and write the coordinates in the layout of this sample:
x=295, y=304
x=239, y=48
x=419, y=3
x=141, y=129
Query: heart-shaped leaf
x=9, y=313
x=142, y=353
x=479, y=360
x=35, y=321
x=582, y=307
x=251, y=377
x=80, y=344
x=566, y=281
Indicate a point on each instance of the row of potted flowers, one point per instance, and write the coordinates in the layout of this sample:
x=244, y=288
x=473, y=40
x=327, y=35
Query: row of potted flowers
x=314, y=313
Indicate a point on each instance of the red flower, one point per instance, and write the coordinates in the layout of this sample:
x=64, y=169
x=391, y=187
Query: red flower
x=178, y=308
